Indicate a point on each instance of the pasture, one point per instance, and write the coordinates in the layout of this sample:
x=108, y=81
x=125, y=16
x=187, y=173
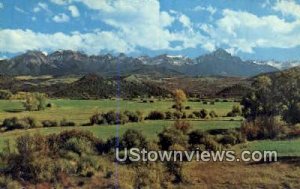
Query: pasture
x=80, y=111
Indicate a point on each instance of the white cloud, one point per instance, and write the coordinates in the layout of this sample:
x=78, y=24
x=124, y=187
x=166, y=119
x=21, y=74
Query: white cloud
x=41, y=7
x=245, y=31
x=266, y=4
x=60, y=2
x=209, y=9
x=186, y=22
x=1, y=5
x=287, y=7
x=136, y=24
x=142, y=24
x=74, y=11
x=60, y=18
x=20, y=10
x=14, y=41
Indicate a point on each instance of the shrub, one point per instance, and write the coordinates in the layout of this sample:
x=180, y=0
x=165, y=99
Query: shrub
x=5, y=94
x=187, y=107
x=228, y=139
x=49, y=123
x=171, y=136
x=174, y=106
x=203, y=113
x=213, y=114
x=156, y=115
x=211, y=144
x=133, y=116
x=197, y=114
x=204, y=102
x=236, y=111
x=262, y=128
x=198, y=138
x=178, y=115
x=98, y=119
x=35, y=102
x=49, y=105
x=133, y=139
x=115, y=118
x=79, y=146
x=88, y=165
x=169, y=115
x=16, y=123
x=183, y=126
x=212, y=103
x=66, y=123
x=191, y=116
x=292, y=114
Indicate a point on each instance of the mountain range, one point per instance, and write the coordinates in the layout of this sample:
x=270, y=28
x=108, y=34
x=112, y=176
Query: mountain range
x=67, y=62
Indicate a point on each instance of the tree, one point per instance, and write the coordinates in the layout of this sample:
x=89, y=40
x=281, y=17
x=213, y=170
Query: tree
x=35, y=102
x=292, y=114
x=179, y=98
x=276, y=96
x=262, y=100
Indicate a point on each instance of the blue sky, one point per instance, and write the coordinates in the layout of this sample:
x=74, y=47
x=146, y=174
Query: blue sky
x=252, y=29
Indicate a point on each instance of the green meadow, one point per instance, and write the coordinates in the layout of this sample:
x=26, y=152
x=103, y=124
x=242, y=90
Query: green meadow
x=80, y=111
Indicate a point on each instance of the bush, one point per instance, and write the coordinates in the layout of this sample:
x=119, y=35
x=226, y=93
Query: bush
x=213, y=114
x=178, y=115
x=66, y=123
x=174, y=106
x=187, y=107
x=98, y=119
x=191, y=116
x=203, y=113
x=197, y=114
x=49, y=105
x=16, y=123
x=115, y=118
x=236, y=111
x=79, y=146
x=262, y=128
x=204, y=102
x=88, y=165
x=183, y=126
x=228, y=139
x=49, y=123
x=133, y=139
x=156, y=115
x=134, y=116
x=35, y=102
x=198, y=138
x=212, y=103
x=171, y=136
x=169, y=115
x=292, y=114
x=5, y=94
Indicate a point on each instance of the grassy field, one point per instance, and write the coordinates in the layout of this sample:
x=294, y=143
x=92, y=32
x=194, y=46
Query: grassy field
x=283, y=147
x=80, y=111
x=149, y=128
